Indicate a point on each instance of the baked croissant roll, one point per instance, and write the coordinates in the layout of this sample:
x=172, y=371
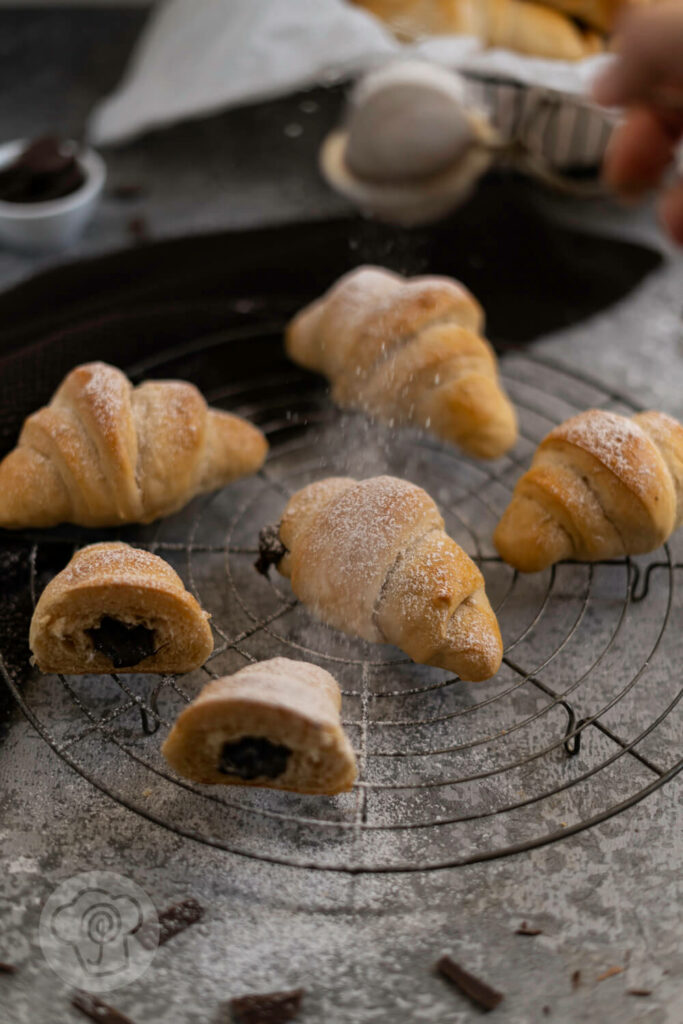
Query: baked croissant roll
x=104, y=452
x=513, y=24
x=600, y=486
x=408, y=351
x=600, y=14
x=117, y=608
x=273, y=724
x=372, y=559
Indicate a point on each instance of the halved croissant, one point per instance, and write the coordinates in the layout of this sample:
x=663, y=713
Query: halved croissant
x=372, y=559
x=115, y=607
x=600, y=486
x=408, y=351
x=274, y=724
x=104, y=452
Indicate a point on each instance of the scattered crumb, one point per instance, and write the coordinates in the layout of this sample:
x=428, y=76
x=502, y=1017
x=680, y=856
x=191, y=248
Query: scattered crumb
x=609, y=973
x=576, y=979
x=138, y=228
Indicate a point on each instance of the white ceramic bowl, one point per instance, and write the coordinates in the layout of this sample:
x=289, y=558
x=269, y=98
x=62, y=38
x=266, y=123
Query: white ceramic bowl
x=55, y=223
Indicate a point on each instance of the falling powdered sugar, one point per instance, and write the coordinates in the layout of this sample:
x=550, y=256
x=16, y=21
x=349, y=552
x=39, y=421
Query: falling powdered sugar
x=618, y=443
x=105, y=391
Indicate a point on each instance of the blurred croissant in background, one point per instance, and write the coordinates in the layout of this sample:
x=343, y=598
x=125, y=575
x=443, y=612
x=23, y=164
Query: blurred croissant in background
x=555, y=29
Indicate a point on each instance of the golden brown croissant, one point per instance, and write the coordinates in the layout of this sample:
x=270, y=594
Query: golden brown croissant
x=372, y=559
x=408, y=351
x=104, y=453
x=600, y=486
x=117, y=608
x=273, y=724
x=600, y=14
x=514, y=24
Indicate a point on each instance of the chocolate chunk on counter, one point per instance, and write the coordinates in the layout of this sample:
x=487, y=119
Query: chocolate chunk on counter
x=253, y=757
x=46, y=169
x=478, y=991
x=8, y=968
x=98, y=1011
x=171, y=922
x=124, y=645
x=177, y=918
x=524, y=929
x=270, y=1008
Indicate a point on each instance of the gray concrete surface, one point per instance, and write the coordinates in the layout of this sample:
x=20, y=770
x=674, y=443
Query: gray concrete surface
x=362, y=946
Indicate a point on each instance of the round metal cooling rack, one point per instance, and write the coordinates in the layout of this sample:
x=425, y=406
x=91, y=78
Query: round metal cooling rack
x=576, y=727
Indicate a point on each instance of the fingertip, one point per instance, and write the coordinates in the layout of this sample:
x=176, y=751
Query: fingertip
x=606, y=89
x=637, y=154
x=671, y=212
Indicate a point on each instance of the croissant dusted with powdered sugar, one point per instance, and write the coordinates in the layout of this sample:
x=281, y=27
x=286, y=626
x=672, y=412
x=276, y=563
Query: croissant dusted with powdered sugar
x=408, y=351
x=600, y=486
x=372, y=559
x=104, y=452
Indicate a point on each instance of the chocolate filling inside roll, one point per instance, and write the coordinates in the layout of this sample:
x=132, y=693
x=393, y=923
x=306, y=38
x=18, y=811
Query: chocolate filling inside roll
x=252, y=757
x=123, y=644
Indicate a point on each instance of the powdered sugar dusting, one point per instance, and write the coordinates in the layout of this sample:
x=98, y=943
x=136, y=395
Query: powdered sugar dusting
x=437, y=591
x=619, y=443
x=369, y=520
x=105, y=391
x=116, y=561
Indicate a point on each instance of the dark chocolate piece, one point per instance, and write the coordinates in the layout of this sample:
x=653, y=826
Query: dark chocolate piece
x=8, y=968
x=478, y=991
x=253, y=756
x=271, y=549
x=524, y=929
x=177, y=918
x=639, y=991
x=172, y=922
x=270, y=1008
x=576, y=979
x=124, y=645
x=98, y=1011
x=45, y=170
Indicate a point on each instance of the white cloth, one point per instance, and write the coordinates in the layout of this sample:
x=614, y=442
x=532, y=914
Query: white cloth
x=197, y=57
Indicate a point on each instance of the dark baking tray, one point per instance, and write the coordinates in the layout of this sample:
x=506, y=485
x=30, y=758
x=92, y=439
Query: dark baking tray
x=531, y=277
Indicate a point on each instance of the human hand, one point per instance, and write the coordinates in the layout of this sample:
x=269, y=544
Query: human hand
x=647, y=79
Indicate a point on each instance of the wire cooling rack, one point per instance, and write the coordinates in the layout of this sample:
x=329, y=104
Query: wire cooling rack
x=581, y=722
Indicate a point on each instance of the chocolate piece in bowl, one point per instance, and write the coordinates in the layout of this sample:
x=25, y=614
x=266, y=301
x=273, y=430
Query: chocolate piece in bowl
x=48, y=168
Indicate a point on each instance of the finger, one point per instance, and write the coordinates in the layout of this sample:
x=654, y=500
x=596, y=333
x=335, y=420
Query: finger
x=649, y=46
x=639, y=152
x=671, y=212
